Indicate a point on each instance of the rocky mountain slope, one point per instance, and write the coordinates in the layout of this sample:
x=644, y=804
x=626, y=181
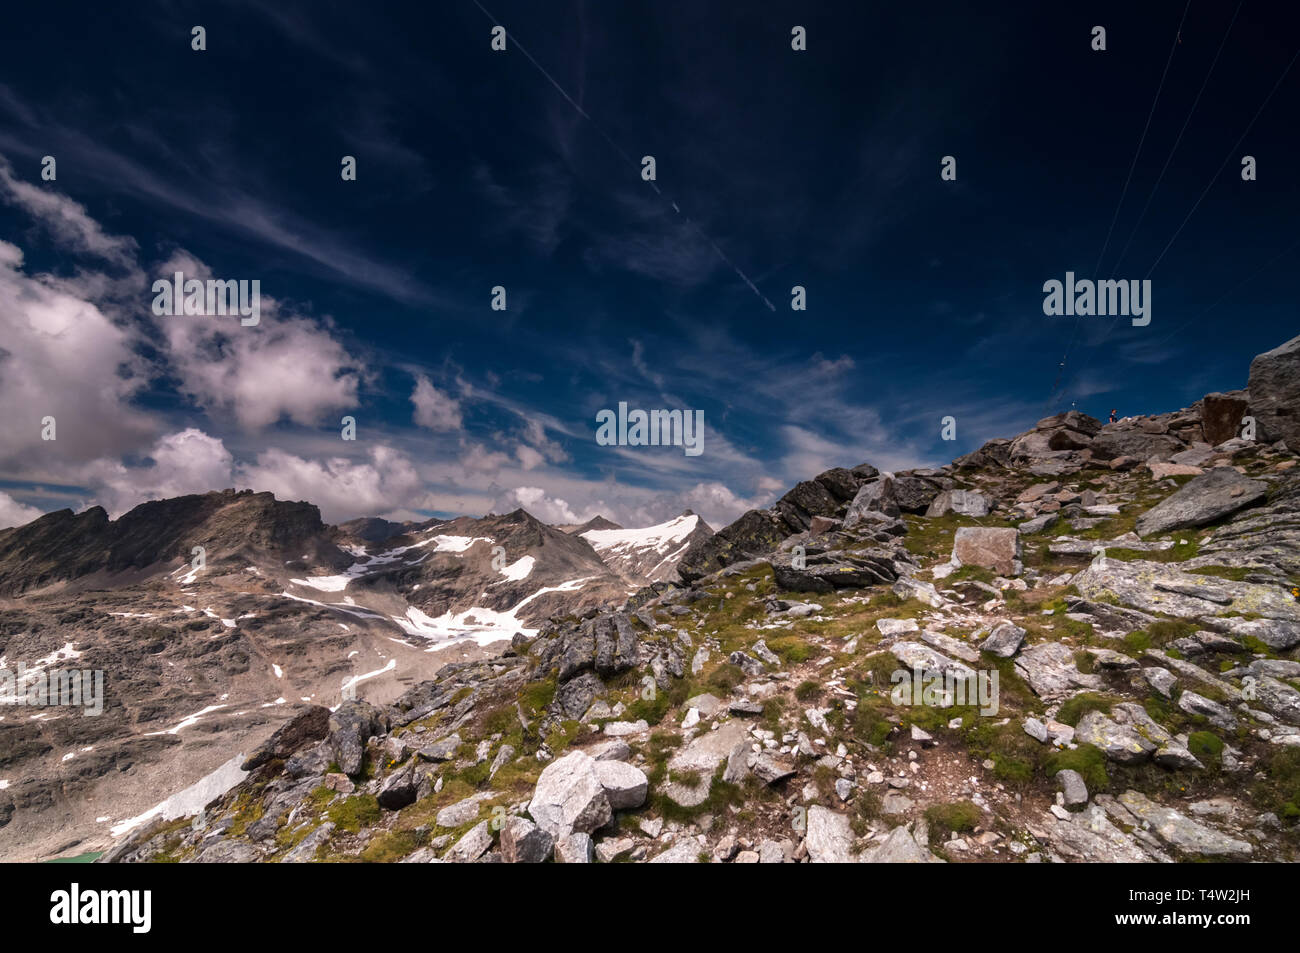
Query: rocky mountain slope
x=1080, y=644
x=202, y=658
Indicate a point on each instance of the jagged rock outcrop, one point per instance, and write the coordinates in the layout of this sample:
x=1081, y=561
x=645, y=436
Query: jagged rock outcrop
x=1221, y=415
x=1264, y=538
x=1274, y=389
x=759, y=532
x=229, y=525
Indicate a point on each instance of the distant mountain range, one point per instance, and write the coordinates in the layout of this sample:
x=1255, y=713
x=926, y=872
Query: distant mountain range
x=284, y=609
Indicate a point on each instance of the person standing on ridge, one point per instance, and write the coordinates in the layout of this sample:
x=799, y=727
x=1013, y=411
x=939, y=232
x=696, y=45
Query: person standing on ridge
x=1113, y=418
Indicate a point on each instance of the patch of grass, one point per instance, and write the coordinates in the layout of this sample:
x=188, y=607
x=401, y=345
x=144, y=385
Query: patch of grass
x=1137, y=641
x=807, y=691
x=725, y=678
x=1078, y=706
x=1206, y=747
x=957, y=817
x=1235, y=573
x=1164, y=631
x=1012, y=689
x=536, y=696
x=657, y=752
x=1082, y=632
x=1088, y=760
x=1279, y=789
x=246, y=810
x=1256, y=647
x=885, y=600
x=1181, y=551
x=722, y=796
x=389, y=847
x=1158, y=633
x=654, y=709
x=773, y=708
x=355, y=812
x=1015, y=755
x=791, y=648
x=873, y=721
x=974, y=573
x=560, y=738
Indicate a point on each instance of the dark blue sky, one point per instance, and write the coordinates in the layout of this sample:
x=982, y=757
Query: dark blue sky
x=817, y=168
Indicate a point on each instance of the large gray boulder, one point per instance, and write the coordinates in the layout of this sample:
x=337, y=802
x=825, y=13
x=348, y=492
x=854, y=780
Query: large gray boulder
x=569, y=797
x=304, y=729
x=805, y=501
x=922, y=658
x=616, y=643
x=1265, y=537
x=1211, y=496
x=683, y=851
x=874, y=497
x=755, y=533
x=995, y=453
x=915, y=493
x=827, y=572
x=962, y=502
x=350, y=727
x=1119, y=743
x=523, y=842
x=1004, y=641
x=625, y=785
x=1274, y=389
x=829, y=837
x=1130, y=440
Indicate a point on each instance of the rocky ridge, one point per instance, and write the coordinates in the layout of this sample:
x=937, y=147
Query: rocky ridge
x=1133, y=588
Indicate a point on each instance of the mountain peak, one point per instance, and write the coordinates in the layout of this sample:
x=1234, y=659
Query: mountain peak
x=596, y=522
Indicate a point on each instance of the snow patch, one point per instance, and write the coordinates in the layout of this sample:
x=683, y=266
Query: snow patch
x=191, y=800
x=356, y=680
x=476, y=623
x=186, y=722
x=519, y=569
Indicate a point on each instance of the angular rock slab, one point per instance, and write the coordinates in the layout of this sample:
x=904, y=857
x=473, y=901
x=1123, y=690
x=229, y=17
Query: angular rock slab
x=1158, y=587
x=1050, y=670
x=1211, y=496
x=900, y=847
x=729, y=743
x=829, y=837
x=991, y=547
x=1181, y=832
